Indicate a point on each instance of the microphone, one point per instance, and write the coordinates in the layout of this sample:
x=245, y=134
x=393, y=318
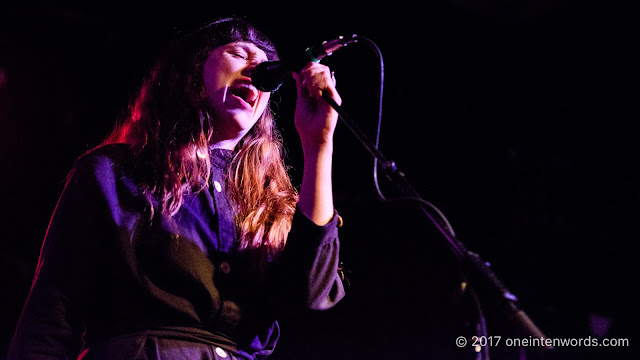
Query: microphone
x=269, y=75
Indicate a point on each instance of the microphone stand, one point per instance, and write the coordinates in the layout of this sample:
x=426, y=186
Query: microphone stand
x=477, y=271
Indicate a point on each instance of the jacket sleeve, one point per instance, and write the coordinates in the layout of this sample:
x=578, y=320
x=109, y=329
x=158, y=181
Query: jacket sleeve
x=310, y=262
x=49, y=326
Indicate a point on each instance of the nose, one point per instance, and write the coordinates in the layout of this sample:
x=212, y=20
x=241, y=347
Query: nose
x=251, y=66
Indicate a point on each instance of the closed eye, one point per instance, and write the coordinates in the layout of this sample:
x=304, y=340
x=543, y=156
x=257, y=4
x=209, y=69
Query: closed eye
x=238, y=55
x=245, y=51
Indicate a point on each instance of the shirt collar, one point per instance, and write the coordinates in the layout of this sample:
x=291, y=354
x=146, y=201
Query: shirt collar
x=220, y=158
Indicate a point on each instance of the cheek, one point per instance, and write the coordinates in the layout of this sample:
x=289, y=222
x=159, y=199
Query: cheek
x=264, y=101
x=216, y=99
x=211, y=88
x=215, y=77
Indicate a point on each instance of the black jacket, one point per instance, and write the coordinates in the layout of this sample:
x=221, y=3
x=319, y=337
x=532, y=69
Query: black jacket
x=131, y=284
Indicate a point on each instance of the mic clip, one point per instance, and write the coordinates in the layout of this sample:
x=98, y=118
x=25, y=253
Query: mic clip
x=327, y=48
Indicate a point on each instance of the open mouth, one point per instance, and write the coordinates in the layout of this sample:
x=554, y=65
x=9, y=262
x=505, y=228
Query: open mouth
x=245, y=91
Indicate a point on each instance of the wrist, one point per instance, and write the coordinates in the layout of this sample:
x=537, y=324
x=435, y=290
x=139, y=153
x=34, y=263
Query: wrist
x=317, y=148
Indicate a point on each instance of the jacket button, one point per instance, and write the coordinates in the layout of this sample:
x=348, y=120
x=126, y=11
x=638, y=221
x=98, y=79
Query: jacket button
x=221, y=352
x=217, y=185
x=225, y=267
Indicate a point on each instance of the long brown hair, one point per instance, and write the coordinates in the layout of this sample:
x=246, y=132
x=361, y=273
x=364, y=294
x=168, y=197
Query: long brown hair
x=170, y=125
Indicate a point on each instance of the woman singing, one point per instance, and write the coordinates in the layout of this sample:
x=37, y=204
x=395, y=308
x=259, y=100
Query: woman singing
x=181, y=235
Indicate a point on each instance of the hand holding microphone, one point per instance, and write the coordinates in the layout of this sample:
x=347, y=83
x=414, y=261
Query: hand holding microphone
x=315, y=119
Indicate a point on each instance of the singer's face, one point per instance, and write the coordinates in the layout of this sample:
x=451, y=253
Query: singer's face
x=236, y=103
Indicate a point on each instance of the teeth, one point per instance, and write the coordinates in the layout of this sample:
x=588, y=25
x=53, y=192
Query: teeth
x=246, y=91
x=248, y=86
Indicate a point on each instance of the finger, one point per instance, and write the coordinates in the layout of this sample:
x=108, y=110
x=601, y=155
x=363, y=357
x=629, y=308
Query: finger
x=327, y=83
x=333, y=93
x=317, y=78
x=314, y=71
x=299, y=87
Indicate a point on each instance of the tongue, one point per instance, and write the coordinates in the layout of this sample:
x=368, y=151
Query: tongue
x=245, y=94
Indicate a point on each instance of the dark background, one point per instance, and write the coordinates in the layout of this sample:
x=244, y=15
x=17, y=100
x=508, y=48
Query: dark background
x=519, y=120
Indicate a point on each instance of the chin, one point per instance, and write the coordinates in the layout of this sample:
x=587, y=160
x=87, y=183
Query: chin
x=238, y=126
x=246, y=123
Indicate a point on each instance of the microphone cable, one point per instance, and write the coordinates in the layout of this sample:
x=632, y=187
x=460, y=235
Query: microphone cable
x=481, y=327
x=445, y=222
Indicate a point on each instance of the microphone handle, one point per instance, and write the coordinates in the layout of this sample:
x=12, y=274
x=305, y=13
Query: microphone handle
x=317, y=53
